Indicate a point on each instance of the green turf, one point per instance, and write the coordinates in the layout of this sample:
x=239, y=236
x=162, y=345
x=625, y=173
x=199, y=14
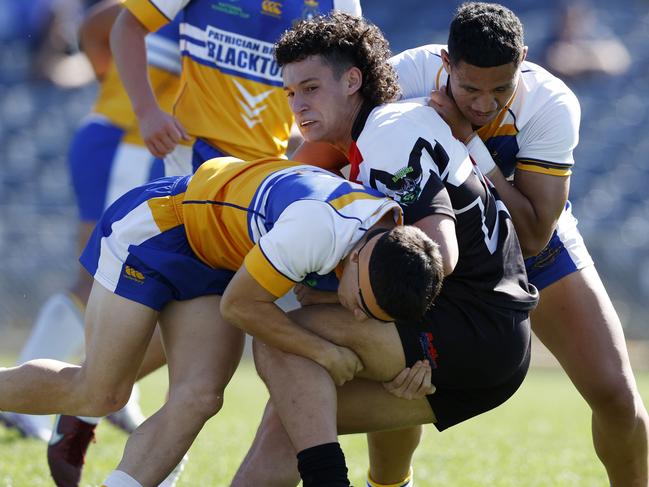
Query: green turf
x=541, y=437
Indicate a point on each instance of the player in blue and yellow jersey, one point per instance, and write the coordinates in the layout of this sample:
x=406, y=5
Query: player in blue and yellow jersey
x=106, y=158
x=231, y=98
x=521, y=124
x=166, y=252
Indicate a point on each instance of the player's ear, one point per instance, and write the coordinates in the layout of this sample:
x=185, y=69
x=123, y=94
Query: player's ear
x=446, y=60
x=354, y=80
x=524, y=54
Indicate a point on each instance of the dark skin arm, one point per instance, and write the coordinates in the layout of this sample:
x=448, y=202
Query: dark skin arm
x=535, y=201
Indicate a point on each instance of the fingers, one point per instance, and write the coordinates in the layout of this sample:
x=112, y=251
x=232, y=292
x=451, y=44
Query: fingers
x=181, y=130
x=412, y=383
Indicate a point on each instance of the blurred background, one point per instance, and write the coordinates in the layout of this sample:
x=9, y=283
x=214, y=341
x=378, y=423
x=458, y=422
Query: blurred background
x=601, y=50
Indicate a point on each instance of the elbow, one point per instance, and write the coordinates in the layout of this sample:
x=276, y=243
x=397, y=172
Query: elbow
x=532, y=246
x=449, y=264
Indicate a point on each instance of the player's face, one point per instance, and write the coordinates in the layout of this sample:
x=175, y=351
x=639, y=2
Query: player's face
x=481, y=93
x=354, y=290
x=319, y=101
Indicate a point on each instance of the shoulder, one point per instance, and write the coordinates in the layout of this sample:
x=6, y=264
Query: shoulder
x=545, y=91
x=394, y=124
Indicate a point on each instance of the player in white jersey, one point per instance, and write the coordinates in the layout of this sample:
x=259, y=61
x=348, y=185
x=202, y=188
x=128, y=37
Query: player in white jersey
x=520, y=124
x=476, y=338
x=199, y=253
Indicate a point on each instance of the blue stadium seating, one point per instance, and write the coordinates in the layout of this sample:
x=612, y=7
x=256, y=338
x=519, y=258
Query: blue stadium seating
x=609, y=186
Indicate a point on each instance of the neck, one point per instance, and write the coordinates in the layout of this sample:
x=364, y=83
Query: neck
x=344, y=141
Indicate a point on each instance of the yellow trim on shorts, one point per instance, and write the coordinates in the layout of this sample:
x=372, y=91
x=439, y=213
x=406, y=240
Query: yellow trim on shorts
x=165, y=211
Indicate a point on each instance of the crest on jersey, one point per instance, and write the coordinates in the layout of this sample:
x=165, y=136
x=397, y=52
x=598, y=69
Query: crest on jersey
x=405, y=185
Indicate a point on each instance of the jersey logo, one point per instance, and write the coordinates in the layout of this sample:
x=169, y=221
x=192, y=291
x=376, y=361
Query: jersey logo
x=405, y=184
x=251, y=104
x=272, y=8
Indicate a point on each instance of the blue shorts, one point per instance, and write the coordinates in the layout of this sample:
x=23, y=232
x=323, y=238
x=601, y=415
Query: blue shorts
x=564, y=254
x=103, y=168
x=202, y=151
x=132, y=256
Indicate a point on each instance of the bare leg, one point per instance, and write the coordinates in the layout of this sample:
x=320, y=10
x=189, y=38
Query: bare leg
x=304, y=394
x=577, y=322
x=390, y=453
x=117, y=333
x=203, y=352
x=271, y=459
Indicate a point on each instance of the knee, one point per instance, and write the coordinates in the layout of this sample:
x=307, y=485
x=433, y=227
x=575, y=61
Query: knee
x=199, y=399
x=615, y=399
x=102, y=403
x=266, y=358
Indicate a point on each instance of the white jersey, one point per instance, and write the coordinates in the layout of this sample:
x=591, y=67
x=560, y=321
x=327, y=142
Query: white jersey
x=539, y=127
x=405, y=150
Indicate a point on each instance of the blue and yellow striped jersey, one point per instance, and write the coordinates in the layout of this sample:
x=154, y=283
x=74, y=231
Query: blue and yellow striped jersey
x=280, y=219
x=231, y=93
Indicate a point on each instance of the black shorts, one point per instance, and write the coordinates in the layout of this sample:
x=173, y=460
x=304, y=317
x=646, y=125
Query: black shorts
x=479, y=356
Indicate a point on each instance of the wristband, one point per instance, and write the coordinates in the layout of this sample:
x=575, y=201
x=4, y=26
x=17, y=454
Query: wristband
x=480, y=155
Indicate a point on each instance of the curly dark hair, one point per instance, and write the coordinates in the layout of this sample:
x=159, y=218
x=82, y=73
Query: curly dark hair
x=485, y=35
x=343, y=41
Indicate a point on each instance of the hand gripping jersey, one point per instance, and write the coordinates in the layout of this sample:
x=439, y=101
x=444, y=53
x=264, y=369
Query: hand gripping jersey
x=163, y=57
x=406, y=151
x=536, y=131
x=231, y=88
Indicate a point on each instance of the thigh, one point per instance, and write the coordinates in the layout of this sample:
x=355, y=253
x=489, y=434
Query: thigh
x=200, y=345
x=576, y=320
x=117, y=334
x=365, y=406
x=377, y=344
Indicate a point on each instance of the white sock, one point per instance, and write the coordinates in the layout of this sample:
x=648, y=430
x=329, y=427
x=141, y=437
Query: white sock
x=173, y=477
x=117, y=478
x=57, y=334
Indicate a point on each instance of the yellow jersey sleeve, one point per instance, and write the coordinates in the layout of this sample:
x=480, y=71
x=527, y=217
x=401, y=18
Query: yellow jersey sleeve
x=154, y=14
x=265, y=273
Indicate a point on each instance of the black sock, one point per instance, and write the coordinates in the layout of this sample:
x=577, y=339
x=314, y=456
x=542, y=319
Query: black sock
x=323, y=466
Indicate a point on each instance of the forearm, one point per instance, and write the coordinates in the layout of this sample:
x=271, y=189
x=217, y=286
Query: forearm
x=533, y=233
x=533, y=229
x=267, y=323
x=129, y=51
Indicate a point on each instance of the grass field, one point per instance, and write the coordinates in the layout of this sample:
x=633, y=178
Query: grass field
x=541, y=437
